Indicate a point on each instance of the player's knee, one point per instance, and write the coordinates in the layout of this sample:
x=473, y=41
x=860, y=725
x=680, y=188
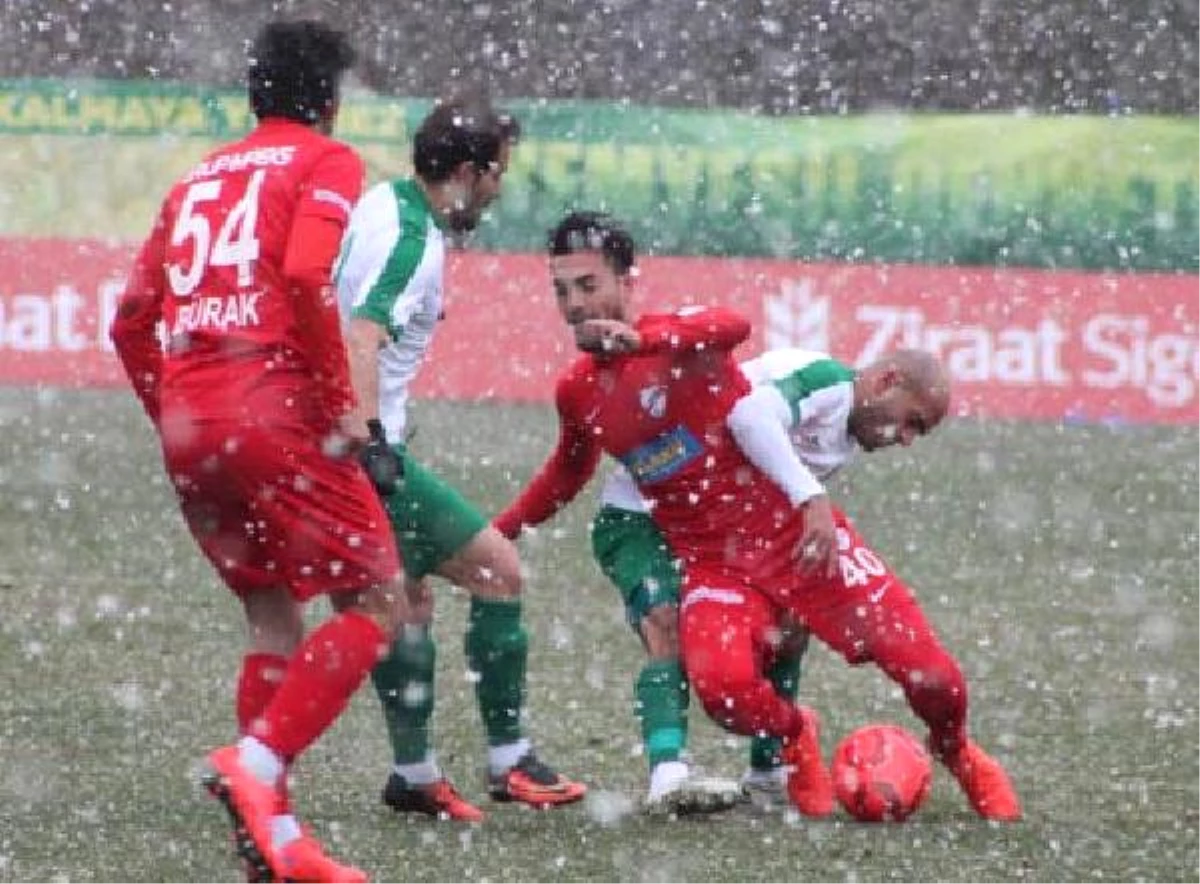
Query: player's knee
x=729, y=703
x=937, y=691
x=723, y=690
x=660, y=631
x=387, y=604
x=489, y=567
x=274, y=621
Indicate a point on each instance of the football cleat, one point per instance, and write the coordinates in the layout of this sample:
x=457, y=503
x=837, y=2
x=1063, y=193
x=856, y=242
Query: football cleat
x=250, y=804
x=532, y=782
x=438, y=799
x=809, y=785
x=692, y=794
x=986, y=783
x=766, y=789
x=303, y=860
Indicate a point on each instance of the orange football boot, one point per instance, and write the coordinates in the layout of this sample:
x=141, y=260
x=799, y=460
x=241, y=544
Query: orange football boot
x=250, y=804
x=986, y=783
x=304, y=860
x=438, y=799
x=809, y=784
x=532, y=782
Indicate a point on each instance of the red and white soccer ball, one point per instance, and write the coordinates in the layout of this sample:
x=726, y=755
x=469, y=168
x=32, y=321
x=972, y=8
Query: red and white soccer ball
x=881, y=773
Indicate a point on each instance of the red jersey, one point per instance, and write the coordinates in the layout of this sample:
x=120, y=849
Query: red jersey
x=237, y=271
x=661, y=413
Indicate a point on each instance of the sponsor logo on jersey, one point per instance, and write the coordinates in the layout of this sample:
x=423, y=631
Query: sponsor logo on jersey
x=662, y=457
x=654, y=400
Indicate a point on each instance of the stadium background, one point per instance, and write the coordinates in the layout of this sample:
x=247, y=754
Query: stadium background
x=1052, y=145
x=1015, y=184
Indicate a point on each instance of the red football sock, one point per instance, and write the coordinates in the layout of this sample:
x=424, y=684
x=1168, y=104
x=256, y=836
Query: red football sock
x=261, y=676
x=322, y=675
x=935, y=688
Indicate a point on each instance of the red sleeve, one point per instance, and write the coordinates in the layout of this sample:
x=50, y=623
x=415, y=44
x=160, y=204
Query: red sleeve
x=692, y=329
x=134, y=328
x=327, y=196
x=563, y=474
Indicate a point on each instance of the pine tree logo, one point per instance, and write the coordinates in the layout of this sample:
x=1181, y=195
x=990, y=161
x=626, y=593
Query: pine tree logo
x=797, y=317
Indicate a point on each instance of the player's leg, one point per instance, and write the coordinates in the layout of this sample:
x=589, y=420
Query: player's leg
x=275, y=628
x=440, y=532
x=497, y=649
x=326, y=670
x=322, y=512
x=404, y=680
x=631, y=552
x=871, y=615
x=725, y=631
x=404, y=684
x=765, y=783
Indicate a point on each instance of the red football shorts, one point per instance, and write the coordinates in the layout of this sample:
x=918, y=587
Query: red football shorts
x=269, y=508
x=727, y=627
x=866, y=613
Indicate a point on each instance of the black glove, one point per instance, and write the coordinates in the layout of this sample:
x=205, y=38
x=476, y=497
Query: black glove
x=383, y=465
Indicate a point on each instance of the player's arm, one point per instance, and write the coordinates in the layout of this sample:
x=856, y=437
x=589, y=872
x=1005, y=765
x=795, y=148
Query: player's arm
x=134, y=329
x=688, y=331
x=328, y=194
x=760, y=421
x=561, y=477
x=691, y=330
x=364, y=339
x=382, y=301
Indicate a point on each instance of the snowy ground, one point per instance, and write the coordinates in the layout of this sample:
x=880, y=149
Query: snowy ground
x=1060, y=564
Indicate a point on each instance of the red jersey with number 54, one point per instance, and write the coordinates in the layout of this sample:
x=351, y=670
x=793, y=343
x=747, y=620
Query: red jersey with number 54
x=236, y=269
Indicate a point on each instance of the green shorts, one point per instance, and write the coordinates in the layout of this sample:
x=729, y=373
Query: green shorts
x=632, y=554
x=431, y=520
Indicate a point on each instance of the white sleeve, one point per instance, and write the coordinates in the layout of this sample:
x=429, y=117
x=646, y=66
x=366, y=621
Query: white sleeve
x=759, y=422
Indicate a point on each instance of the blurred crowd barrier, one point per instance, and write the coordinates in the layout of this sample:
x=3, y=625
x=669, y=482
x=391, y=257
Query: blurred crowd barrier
x=1051, y=260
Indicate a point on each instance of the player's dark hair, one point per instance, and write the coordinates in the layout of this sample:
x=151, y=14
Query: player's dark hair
x=593, y=232
x=461, y=131
x=295, y=68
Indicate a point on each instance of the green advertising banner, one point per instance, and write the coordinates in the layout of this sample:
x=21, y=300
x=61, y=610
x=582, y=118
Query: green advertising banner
x=87, y=159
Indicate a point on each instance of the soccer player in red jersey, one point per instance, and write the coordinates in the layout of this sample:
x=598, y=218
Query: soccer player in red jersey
x=665, y=397
x=249, y=392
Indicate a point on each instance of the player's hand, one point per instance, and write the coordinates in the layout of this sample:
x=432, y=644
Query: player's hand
x=346, y=438
x=606, y=336
x=817, y=551
x=383, y=465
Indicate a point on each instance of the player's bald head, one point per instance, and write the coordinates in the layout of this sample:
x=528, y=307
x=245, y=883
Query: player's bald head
x=899, y=398
x=923, y=374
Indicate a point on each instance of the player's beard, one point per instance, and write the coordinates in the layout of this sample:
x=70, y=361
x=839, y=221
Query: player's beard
x=463, y=220
x=465, y=211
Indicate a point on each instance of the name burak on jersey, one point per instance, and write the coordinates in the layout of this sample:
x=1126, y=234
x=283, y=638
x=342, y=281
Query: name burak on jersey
x=218, y=312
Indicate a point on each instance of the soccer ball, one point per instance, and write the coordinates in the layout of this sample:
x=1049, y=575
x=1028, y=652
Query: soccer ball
x=881, y=772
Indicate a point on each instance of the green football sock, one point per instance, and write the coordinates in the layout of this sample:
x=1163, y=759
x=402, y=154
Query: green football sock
x=497, y=647
x=404, y=682
x=785, y=675
x=661, y=705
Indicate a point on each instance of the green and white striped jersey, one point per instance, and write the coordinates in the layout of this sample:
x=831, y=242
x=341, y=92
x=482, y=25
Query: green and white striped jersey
x=816, y=393
x=390, y=271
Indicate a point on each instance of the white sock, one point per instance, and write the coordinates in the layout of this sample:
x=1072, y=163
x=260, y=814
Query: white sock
x=284, y=829
x=258, y=758
x=422, y=773
x=666, y=777
x=501, y=758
